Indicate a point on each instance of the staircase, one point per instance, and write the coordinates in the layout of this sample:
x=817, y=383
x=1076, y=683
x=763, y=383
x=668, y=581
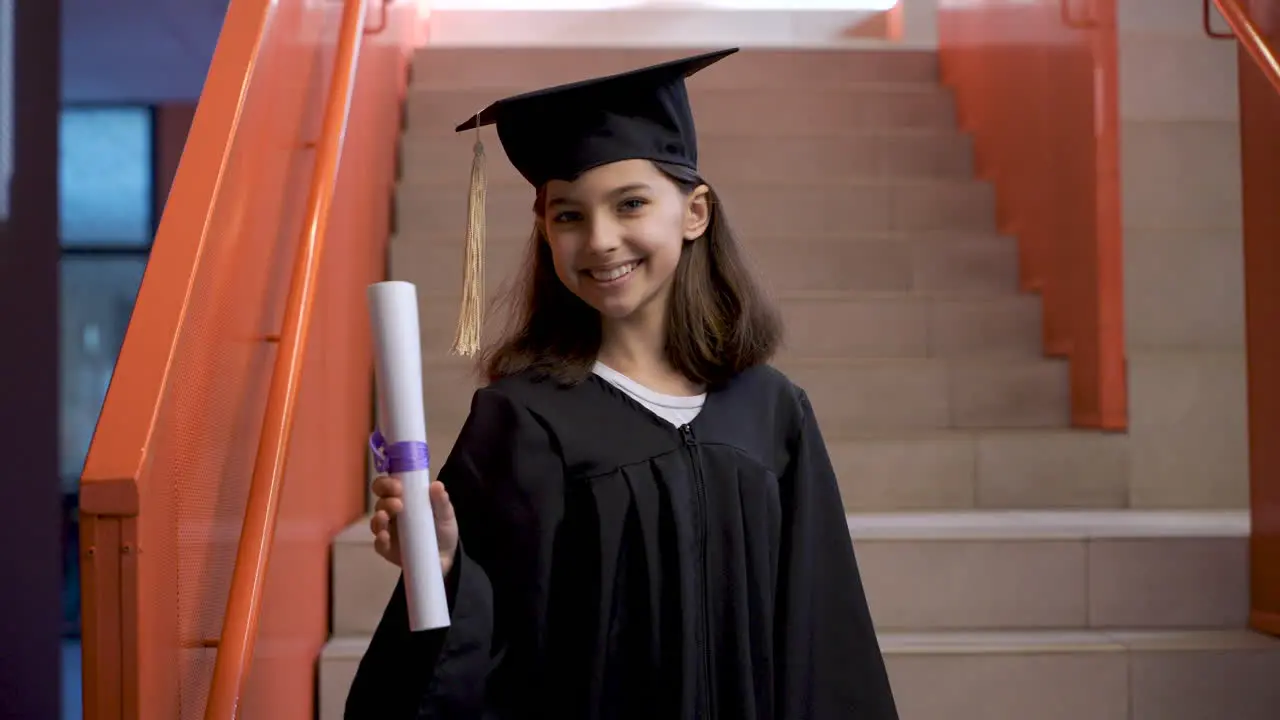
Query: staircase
x=1007, y=578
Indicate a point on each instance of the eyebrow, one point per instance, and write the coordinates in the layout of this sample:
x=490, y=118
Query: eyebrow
x=633, y=187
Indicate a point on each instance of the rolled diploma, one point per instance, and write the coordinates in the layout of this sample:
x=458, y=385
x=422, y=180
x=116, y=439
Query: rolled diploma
x=393, y=308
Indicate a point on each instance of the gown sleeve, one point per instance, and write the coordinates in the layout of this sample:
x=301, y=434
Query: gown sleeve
x=829, y=660
x=498, y=474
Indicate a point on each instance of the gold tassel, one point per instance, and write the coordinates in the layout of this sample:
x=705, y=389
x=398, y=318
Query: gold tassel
x=471, y=314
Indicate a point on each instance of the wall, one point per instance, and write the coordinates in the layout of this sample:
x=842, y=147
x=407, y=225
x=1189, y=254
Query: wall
x=30, y=562
x=137, y=51
x=6, y=104
x=173, y=121
x=1184, y=307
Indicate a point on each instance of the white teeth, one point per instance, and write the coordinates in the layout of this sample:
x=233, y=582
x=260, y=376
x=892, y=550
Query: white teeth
x=613, y=274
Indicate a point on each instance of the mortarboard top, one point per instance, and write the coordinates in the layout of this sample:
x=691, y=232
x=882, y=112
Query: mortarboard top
x=558, y=133
x=561, y=132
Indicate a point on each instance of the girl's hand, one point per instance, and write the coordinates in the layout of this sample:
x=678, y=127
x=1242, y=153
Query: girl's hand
x=386, y=538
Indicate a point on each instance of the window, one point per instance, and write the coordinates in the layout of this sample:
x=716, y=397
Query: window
x=97, y=300
x=105, y=177
x=106, y=208
x=106, y=217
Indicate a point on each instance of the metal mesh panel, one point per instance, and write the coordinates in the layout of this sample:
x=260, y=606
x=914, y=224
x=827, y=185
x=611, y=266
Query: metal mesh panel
x=201, y=439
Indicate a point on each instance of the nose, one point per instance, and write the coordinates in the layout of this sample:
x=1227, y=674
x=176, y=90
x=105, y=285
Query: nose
x=605, y=234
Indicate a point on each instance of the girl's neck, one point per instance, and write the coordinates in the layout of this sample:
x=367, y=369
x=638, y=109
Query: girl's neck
x=637, y=349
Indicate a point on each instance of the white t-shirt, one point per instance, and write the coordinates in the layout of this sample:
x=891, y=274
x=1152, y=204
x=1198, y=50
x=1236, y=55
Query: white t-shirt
x=675, y=409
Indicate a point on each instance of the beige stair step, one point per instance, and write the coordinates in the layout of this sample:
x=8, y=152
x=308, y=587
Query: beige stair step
x=915, y=262
x=988, y=469
x=917, y=471
x=1100, y=675
x=457, y=68
x=870, y=325
x=980, y=570
x=773, y=209
x=834, y=324
x=858, y=396
x=430, y=158
x=693, y=24
x=760, y=111
x=855, y=397
x=1039, y=675
x=1075, y=570
x=1042, y=674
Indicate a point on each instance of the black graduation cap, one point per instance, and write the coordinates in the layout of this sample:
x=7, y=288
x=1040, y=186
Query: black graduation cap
x=558, y=133
x=561, y=132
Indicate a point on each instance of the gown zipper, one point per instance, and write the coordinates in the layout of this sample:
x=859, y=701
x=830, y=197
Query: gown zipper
x=700, y=517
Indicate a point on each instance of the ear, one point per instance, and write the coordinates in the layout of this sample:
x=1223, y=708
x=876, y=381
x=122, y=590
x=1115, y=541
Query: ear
x=697, y=213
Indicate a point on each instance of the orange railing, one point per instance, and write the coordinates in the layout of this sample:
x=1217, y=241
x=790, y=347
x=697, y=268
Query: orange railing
x=1252, y=41
x=240, y=624
x=192, y=456
x=1036, y=86
x=1257, y=27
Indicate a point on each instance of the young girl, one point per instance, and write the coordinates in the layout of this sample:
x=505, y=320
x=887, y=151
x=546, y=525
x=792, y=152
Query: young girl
x=639, y=518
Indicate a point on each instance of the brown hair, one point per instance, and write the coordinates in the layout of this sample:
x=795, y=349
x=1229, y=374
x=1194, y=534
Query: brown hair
x=719, y=323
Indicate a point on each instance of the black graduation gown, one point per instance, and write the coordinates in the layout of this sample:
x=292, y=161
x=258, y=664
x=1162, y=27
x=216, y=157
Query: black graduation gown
x=615, y=567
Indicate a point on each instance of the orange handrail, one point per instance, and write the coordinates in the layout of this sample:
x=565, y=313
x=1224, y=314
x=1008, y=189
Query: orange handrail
x=1035, y=84
x=1250, y=37
x=244, y=602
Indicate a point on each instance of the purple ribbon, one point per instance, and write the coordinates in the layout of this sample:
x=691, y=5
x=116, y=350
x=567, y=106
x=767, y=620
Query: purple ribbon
x=397, y=458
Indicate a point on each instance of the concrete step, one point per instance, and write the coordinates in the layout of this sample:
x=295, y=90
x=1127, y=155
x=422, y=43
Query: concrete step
x=682, y=24
x=1001, y=570
x=1009, y=570
x=926, y=263
x=760, y=111
x=500, y=69
x=817, y=209
x=979, y=469
x=431, y=159
x=868, y=325
x=965, y=602
x=928, y=471
x=1098, y=675
x=857, y=397
x=831, y=325
x=1045, y=675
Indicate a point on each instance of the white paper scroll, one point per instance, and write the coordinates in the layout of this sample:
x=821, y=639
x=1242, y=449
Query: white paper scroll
x=397, y=347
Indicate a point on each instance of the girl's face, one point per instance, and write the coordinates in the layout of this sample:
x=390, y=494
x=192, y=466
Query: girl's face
x=616, y=234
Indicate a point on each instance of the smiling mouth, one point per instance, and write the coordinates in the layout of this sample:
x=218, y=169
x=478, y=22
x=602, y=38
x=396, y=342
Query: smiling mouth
x=614, y=273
